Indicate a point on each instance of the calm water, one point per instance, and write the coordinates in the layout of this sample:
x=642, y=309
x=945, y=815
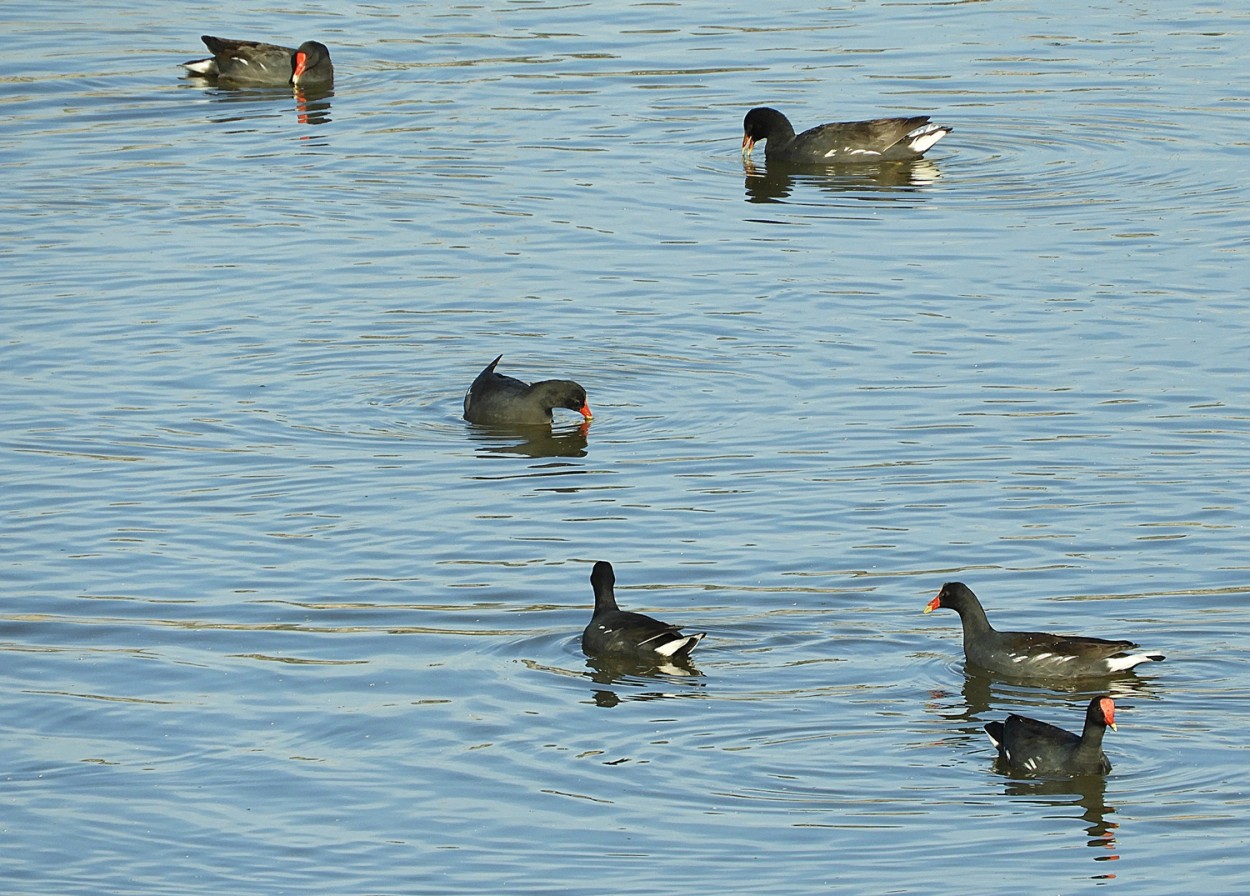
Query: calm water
x=275, y=620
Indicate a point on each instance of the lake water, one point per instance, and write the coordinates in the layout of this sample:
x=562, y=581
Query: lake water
x=276, y=620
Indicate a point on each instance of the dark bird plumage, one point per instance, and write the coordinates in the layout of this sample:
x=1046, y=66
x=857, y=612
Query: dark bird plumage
x=840, y=143
x=1030, y=747
x=251, y=63
x=618, y=633
x=497, y=399
x=1033, y=655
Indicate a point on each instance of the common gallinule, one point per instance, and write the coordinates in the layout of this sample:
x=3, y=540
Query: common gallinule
x=876, y=140
x=498, y=399
x=1037, y=748
x=250, y=63
x=1033, y=655
x=613, y=632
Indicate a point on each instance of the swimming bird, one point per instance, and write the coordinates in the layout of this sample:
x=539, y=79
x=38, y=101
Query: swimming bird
x=498, y=399
x=1037, y=748
x=614, y=632
x=250, y=63
x=1033, y=655
x=840, y=143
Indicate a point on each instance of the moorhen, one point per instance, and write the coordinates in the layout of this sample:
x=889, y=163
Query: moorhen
x=250, y=63
x=876, y=140
x=1033, y=655
x=1031, y=747
x=497, y=399
x=614, y=632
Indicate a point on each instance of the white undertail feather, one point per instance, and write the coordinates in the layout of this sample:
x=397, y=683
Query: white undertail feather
x=202, y=66
x=678, y=645
x=925, y=136
x=1128, y=661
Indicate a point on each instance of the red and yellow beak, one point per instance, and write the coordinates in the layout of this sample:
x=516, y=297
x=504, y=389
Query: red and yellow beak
x=748, y=144
x=933, y=604
x=585, y=410
x=301, y=63
x=1108, y=711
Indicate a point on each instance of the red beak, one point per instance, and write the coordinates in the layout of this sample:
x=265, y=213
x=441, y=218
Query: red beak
x=585, y=410
x=747, y=144
x=301, y=62
x=933, y=604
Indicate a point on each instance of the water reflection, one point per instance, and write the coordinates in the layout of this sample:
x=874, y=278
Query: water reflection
x=312, y=104
x=1088, y=793
x=531, y=441
x=984, y=698
x=777, y=182
x=620, y=680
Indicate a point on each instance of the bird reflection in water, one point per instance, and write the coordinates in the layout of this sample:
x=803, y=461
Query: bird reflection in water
x=984, y=697
x=622, y=679
x=776, y=182
x=535, y=440
x=312, y=104
x=1086, y=793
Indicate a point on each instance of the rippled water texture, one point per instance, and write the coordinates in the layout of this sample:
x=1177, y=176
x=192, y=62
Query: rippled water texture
x=276, y=620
